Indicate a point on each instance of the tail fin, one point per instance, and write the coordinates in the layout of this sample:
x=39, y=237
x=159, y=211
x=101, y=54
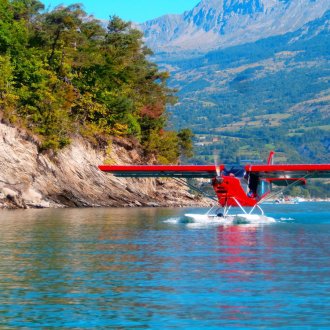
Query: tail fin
x=270, y=160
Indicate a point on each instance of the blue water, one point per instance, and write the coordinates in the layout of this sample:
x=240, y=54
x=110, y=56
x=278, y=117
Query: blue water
x=131, y=269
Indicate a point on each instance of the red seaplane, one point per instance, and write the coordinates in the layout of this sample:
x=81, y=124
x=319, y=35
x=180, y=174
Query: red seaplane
x=243, y=187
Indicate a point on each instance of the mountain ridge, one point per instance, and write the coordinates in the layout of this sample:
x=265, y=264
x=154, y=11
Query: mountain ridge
x=213, y=24
x=275, y=90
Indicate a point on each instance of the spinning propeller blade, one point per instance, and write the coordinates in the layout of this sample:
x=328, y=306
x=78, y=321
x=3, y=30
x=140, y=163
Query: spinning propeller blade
x=216, y=163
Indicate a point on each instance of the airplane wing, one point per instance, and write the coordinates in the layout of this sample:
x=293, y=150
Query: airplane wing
x=171, y=171
x=283, y=175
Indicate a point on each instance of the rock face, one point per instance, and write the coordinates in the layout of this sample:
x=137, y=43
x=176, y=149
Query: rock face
x=216, y=24
x=72, y=179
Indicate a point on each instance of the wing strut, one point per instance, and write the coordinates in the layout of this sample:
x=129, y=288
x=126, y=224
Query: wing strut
x=276, y=193
x=185, y=182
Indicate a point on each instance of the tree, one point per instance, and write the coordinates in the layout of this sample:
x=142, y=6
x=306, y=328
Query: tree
x=64, y=74
x=164, y=145
x=185, y=142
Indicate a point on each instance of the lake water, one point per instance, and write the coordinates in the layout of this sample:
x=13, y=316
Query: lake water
x=133, y=269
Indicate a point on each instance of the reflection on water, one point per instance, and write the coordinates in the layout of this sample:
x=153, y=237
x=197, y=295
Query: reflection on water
x=129, y=268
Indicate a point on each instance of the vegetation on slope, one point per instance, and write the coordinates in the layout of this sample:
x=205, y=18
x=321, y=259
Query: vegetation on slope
x=63, y=73
x=252, y=98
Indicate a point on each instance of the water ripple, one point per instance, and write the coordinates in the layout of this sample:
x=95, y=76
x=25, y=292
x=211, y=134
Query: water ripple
x=118, y=268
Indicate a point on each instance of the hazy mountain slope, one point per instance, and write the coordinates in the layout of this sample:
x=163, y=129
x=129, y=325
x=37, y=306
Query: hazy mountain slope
x=273, y=93
x=222, y=23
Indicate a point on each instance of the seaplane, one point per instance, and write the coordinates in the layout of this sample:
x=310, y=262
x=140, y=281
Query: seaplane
x=242, y=188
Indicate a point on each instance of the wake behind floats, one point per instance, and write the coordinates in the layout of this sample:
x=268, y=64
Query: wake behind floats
x=245, y=188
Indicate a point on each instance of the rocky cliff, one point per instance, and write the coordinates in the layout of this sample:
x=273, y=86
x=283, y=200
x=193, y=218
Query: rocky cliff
x=71, y=178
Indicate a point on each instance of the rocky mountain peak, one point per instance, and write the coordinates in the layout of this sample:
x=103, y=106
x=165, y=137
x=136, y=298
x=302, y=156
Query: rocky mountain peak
x=221, y=23
x=213, y=14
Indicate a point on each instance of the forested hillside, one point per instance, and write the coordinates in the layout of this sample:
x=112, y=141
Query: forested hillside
x=246, y=100
x=63, y=74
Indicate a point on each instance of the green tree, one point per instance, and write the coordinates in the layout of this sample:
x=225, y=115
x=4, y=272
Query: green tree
x=164, y=145
x=185, y=142
x=62, y=73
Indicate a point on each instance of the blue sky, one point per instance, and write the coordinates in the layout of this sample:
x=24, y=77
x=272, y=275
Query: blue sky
x=129, y=10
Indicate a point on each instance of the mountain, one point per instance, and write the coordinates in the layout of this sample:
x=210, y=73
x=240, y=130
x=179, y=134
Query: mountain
x=216, y=24
x=250, y=98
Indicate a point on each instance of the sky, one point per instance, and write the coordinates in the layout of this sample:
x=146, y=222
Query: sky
x=129, y=10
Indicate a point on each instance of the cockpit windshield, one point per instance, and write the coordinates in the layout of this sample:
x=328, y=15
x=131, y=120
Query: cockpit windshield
x=237, y=171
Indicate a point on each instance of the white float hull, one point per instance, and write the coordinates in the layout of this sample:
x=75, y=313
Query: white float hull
x=229, y=219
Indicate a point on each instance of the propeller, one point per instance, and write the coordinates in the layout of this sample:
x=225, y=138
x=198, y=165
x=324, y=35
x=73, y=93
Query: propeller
x=216, y=162
x=217, y=166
